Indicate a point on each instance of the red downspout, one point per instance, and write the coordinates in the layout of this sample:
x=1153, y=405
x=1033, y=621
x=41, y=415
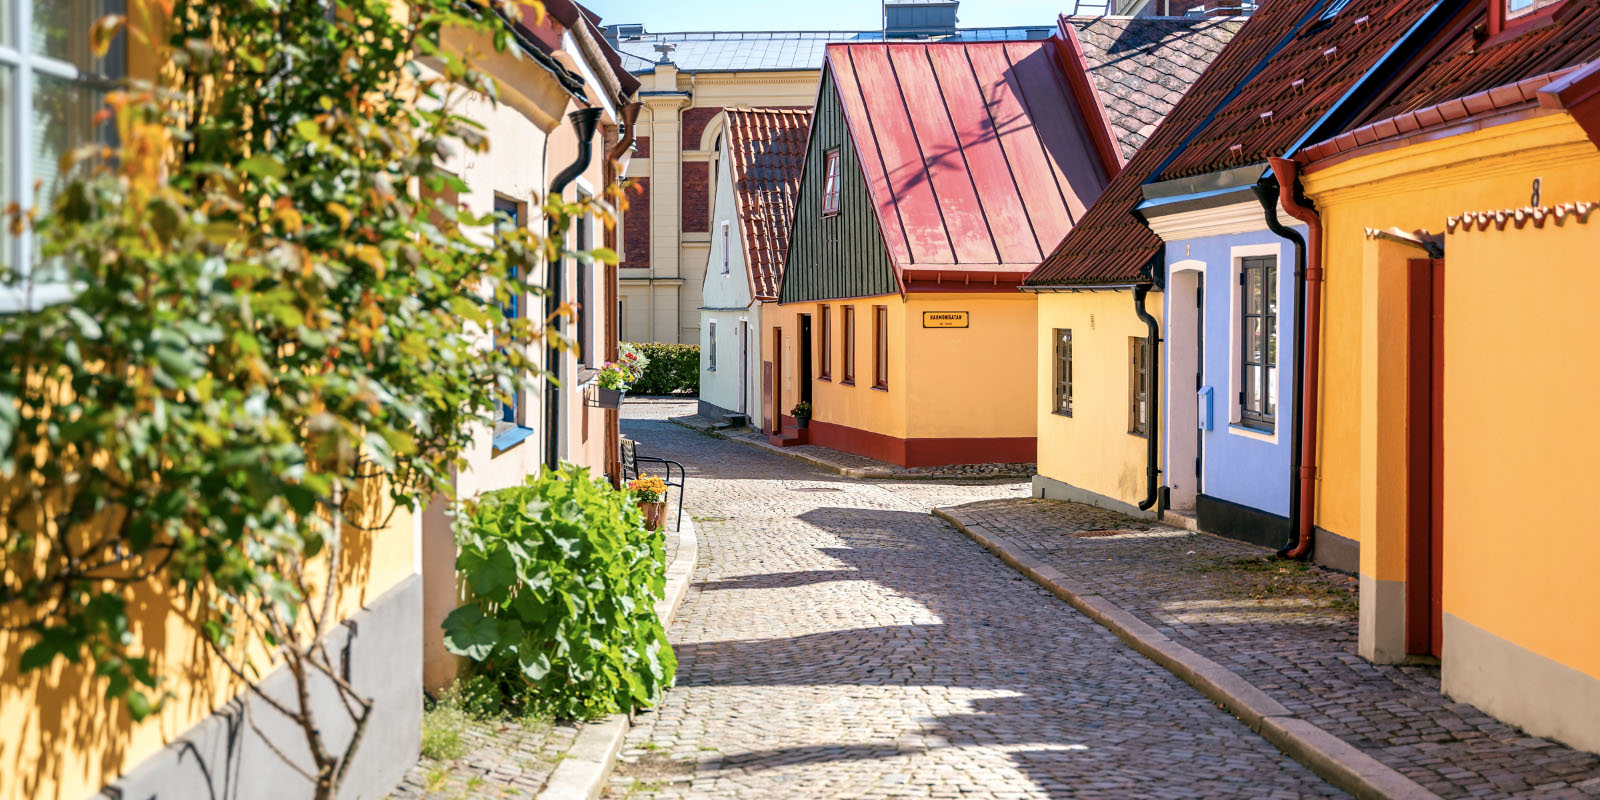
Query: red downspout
x=1288, y=174
x=613, y=418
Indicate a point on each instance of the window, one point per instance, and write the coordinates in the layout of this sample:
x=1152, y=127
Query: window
x=724, y=247
x=1258, y=334
x=849, y=345
x=1522, y=8
x=711, y=346
x=1063, y=338
x=880, y=341
x=51, y=87
x=1138, y=386
x=508, y=216
x=830, y=183
x=824, y=345
x=586, y=283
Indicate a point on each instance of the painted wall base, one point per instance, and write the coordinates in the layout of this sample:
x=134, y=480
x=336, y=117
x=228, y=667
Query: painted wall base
x=712, y=410
x=1519, y=686
x=1052, y=489
x=222, y=756
x=1335, y=552
x=923, y=452
x=1240, y=522
x=1382, y=620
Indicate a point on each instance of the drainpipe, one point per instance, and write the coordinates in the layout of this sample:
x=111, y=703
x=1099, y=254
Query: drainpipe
x=613, y=434
x=1152, y=386
x=584, y=121
x=1267, y=192
x=1288, y=175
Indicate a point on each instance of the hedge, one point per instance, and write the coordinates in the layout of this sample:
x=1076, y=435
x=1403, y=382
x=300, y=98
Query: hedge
x=673, y=369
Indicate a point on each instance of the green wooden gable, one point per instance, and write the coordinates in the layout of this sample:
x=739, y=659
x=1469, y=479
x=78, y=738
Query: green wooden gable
x=842, y=255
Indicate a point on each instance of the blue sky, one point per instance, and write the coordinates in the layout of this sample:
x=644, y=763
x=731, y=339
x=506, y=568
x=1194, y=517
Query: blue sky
x=758, y=15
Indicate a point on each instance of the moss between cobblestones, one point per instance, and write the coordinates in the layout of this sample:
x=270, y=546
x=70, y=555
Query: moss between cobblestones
x=1266, y=579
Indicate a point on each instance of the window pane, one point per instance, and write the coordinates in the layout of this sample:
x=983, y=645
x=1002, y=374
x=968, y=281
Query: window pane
x=1254, y=341
x=1272, y=392
x=1272, y=289
x=63, y=118
x=61, y=31
x=1252, y=291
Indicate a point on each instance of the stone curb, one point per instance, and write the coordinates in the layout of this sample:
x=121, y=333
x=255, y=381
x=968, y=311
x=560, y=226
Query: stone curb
x=1334, y=759
x=582, y=774
x=866, y=473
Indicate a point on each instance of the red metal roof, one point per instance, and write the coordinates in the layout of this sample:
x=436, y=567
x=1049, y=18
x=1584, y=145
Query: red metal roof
x=976, y=156
x=766, y=147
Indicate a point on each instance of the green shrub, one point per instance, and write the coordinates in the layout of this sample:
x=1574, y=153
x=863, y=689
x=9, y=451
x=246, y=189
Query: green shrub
x=673, y=369
x=564, y=578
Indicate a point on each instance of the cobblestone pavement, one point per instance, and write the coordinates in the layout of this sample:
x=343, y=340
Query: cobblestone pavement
x=840, y=642
x=1291, y=631
x=503, y=759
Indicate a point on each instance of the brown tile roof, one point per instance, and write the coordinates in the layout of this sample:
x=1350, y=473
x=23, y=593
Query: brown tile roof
x=1110, y=244
x=1462, y=75
x=767, y=147
x=1142, y=66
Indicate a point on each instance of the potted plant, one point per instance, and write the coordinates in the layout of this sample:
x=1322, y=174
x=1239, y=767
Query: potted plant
x=650, y=493
x=610, y=385
x=802, y=414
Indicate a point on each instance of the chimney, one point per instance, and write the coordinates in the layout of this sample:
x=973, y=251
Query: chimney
x=919, y=19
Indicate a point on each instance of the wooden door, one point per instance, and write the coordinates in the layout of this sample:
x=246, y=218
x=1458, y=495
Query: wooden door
x=777, y=380
x=1425, y=457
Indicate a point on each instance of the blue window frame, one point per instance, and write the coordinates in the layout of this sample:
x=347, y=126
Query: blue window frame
x=508, y=216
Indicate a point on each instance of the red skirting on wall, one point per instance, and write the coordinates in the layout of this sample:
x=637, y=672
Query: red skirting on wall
x=924, y=452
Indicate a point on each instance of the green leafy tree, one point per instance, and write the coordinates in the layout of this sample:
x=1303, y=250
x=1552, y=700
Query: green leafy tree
x=280, y=334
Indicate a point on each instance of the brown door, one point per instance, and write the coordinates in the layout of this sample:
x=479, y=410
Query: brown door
x=777, y=380
x=1425, y=489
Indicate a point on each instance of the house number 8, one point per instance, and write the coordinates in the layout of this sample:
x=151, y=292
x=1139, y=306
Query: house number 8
x=1535, y=201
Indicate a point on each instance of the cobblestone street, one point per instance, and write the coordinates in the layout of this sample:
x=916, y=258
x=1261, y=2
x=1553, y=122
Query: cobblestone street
x=840, y=642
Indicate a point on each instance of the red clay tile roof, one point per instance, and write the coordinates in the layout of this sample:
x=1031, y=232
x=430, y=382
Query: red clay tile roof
x=1142, y=66
x=767, y=147
x=975, y=156
x=1463, y=67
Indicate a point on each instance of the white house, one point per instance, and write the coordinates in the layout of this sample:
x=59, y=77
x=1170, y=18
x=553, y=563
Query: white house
x=758, y=171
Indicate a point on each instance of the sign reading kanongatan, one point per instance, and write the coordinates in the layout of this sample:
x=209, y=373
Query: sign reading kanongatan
x=944, y=319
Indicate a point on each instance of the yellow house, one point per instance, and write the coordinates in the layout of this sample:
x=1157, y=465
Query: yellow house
x=1457, y=368
x=59, y=736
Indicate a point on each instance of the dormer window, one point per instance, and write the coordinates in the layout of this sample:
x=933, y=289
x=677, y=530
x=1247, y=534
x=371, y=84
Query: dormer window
x=1505, y=14
x=830, y=184
x=1522, y=8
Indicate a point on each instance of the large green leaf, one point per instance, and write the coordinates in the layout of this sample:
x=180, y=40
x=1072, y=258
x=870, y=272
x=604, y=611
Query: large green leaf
x=467, y=632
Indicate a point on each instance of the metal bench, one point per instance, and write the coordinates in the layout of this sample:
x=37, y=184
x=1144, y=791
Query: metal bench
x=630, y=470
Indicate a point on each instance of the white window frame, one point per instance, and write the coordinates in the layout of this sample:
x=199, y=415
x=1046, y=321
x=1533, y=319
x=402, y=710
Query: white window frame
x=725, y=256
x=1236, y=257
x=711, y=345
x=22, y=65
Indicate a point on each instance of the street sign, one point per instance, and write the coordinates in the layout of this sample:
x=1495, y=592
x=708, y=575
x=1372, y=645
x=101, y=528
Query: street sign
x=945, y=319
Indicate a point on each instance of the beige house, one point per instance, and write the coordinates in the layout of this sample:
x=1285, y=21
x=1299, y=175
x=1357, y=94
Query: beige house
x=688, y=79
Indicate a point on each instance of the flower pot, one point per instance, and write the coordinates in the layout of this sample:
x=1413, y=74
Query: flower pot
x=802, y=422
x=608, y=398
x=653, y=513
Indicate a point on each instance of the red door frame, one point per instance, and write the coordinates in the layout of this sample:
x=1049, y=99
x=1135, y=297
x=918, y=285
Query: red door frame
x=1425, y=462
x=777, y=380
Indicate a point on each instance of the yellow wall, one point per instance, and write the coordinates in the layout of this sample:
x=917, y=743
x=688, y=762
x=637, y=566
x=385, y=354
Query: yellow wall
x=1520, y=380
x=944, y=383
x=859, y=406
x=61, y=739
x=974, y=382
x=1410, y=189
x=1091, y=450
x=1515, y=562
